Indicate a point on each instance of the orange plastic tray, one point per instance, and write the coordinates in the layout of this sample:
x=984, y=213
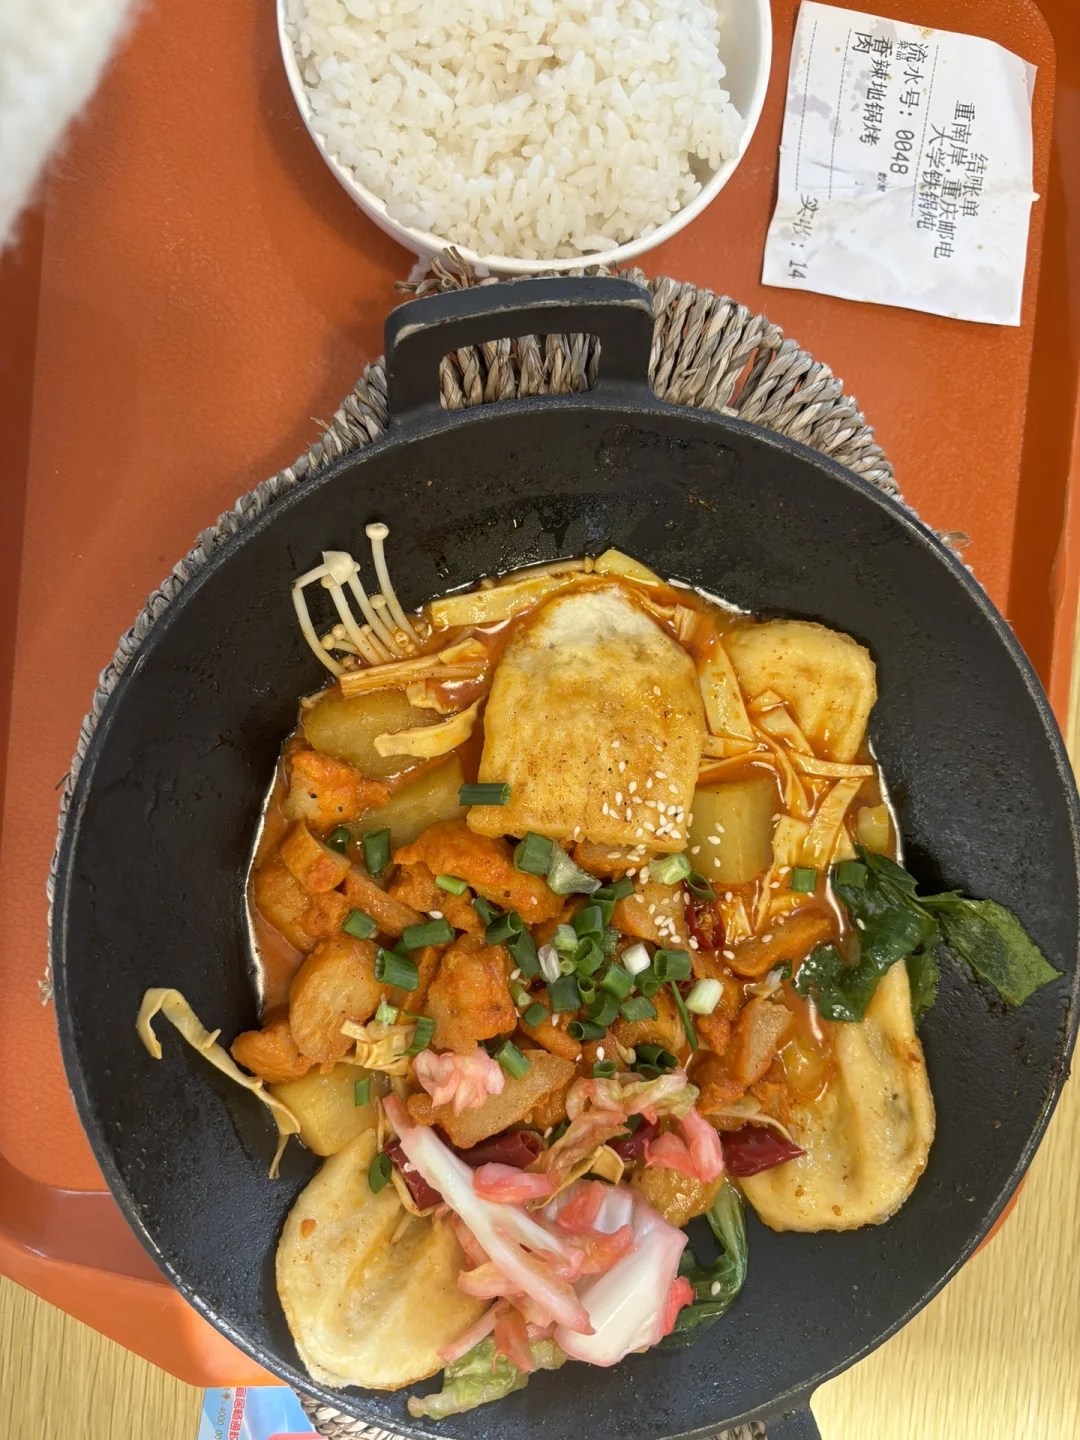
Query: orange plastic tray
x=195, y=288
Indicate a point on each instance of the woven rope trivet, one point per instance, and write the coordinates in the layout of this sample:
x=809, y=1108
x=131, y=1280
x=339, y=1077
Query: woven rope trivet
x=708, y=352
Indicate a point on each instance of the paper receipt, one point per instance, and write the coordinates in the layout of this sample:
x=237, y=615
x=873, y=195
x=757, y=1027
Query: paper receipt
x=905, y=168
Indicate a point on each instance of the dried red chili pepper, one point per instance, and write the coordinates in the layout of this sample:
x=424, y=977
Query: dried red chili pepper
x=425, y=1195
x=753, y=1148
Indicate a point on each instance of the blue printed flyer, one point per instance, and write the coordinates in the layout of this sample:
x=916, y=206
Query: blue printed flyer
x=253, y=1412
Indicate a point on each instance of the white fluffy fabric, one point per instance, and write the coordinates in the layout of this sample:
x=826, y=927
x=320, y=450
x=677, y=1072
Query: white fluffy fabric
x=52, y=53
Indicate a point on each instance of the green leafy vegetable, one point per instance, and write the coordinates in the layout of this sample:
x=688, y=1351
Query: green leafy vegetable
x=893, y=922
x=717, y=1285
x=994, y=943
x=480, y=1377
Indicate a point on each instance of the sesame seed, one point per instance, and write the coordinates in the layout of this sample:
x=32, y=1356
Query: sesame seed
x=650, y=827
x=631, y=872
x=690, y=818
x=714, y=1288
x=693, y=944
x=660, y=775
x=618, y=797
x=676, y=834
x=766, y=939
x=515, y=974
x=652, y=909
x=644, y=873
x=435, y=914
x=555, y=1020
x=860, y=923
x=622, y=766
x=614, y=855
x=783, y=869
x=774, y=884
x=638, y=833
x=605, y=810
x=648, y=784
x=640, y=899
x=656, y=690
x=695, y=849
x=600, y=1052
x=614, y=744
x=629, y=813
x=673, y=789
x=728, y=895
x=713, y=839
x=729, y=954
x=633, y=786
x=550, y=1129
x=720, y=829
x=577, y=831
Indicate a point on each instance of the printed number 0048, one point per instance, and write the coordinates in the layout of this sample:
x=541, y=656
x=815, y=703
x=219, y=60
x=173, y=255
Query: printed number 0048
x=903, y=144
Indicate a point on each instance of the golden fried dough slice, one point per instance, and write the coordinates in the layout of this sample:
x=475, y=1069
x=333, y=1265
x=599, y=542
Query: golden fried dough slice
x=595, y=720
x=364, y=1308
x=867, y=1138
x=826, y=677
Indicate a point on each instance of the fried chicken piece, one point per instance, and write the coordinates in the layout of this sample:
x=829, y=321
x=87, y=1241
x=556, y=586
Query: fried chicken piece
x=639, y=913
x=760, y=1030
x=415, y=885
x=335, y=983
x=486, y=863
x=271, y=1053
x=283, y=903
x=715, y=1030
x=391, y=916
x=469, y=998
x=554, y=1038
x=666, y=1030
x=718, y=1090
x=790, y=940
x=326, y=792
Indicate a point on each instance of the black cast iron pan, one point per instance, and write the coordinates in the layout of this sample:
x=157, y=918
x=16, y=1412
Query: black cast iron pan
x=151, y=865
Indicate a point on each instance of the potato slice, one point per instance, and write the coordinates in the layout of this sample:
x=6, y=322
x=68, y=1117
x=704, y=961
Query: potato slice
x=346, y=728
x=363, y=1308
x=731, y=837
x=420, y=802
x=326, y=1107
x=867, y=1138
x=594, y=717
x=546, y=1074
x=826, y=677
x=335, y=983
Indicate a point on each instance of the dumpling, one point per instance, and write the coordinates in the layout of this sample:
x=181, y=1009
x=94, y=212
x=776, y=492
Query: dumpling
x=867, y=1138
x=365, y=1308
x=596, y=721
x=827, y=678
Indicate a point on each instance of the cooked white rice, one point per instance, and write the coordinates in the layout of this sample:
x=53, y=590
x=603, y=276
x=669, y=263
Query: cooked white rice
x=534, y=131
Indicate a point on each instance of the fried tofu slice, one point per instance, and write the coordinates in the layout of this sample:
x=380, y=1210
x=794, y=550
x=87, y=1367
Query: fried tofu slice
x=487, y=864
x=469, y=998
x=867, y=1137
x=327, y=792
x=827, y=679
x=595, y=719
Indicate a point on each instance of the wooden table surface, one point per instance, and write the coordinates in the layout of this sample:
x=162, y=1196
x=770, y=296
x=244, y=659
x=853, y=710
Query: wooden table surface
x=995, y=1357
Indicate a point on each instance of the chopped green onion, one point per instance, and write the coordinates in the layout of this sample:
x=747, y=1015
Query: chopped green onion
x=503, y=927
x=605, y=1069
x=804, y=880
x=379, y=1172
x=647, y=982
x=523, y=949
x=672, y=964
x=670, y=869
x=452, y=884
x=376, y=845
x=684, y=1015
x=636, y=1007
x=656, y=1055
x=394, y=969
x=586, y=988
x=648, y=1072
x=339, y=840
x=635, y=959
x=484, y=909
x=850, y=872
x=633, y=1122
x=587, y=957
x=386, y=1014
x=533, y=854
x=609, y=941
x=566, y=938
x=559, y=1131
x=563, y=994
x=585, y=1030
x=696, y=882
x=589, y=921
x=622, y=888
x=566, y=966
x=536, y=1014
x=513, y=1061
x=423, y=1035
x=704, y=997
x=617, y=982
x=520, y=996
x=605, y=899
x=361, y=1092
x=604, y=1010
x=486, y=794
x=566, y=878
x=431, y=932
x=359, y=924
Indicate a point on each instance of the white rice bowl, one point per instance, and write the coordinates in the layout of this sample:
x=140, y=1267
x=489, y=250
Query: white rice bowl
x=567, y=129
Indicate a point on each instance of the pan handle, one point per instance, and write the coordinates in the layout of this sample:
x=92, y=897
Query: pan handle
x=419, y=333
x=794, y=1425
